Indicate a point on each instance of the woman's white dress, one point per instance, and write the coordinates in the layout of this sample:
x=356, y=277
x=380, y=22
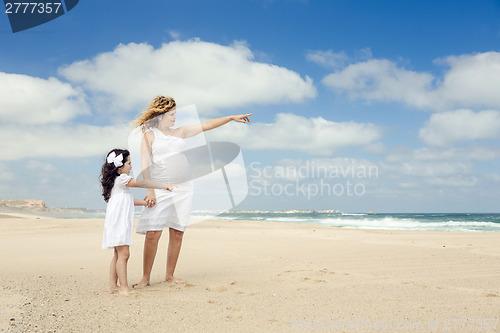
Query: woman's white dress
x=168, y=166
x=119, y=215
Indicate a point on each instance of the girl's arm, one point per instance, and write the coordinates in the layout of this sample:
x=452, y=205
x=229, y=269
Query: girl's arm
x=189, y=131
x=148, y=183
x=139, y=202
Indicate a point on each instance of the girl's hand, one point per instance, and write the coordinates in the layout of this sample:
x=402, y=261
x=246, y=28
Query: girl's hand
x=150, y=198
x=242, y=118
x=170, y=187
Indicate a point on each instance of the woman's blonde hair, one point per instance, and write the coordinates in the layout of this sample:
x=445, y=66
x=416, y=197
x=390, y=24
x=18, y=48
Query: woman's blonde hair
x=149, y=117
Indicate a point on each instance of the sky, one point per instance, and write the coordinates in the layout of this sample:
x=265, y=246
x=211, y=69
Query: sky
x=384, y=106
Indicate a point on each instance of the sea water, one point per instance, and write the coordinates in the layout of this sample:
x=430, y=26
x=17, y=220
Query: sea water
x=386, y=221
x=474, y=222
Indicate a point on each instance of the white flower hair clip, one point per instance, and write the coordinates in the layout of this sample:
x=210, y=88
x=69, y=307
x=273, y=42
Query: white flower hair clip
x=116, y=160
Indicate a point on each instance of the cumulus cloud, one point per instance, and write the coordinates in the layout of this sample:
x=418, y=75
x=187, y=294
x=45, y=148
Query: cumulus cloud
x=382, y=80
x=174, y=34
x=327, y=58
x=31, y=100
x=471, y=80
x=471, y=153
x=301, y=134
x=461, y=125
x=209, y=75
x=420, y=168
x=5, y=172
x=331, y=59
x=40, y=166
x=453, y=167
x=457, y=181
x=69, y=141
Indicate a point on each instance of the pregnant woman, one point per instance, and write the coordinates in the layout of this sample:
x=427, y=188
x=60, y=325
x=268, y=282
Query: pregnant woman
x=162, y=161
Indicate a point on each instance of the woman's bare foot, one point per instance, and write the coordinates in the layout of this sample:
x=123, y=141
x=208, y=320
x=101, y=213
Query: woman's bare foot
x=141, y=284
x=113, y=289
x=175, y=280
x=124, y=291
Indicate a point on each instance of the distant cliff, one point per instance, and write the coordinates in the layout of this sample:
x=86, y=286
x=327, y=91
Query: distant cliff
x=37, y=205
x=34, y=207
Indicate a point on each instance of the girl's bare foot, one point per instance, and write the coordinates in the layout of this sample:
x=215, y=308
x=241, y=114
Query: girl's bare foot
x=175, y=280
x=141, y=284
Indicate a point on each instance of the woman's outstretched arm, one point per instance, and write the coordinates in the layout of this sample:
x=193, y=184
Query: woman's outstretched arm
x=189, y=131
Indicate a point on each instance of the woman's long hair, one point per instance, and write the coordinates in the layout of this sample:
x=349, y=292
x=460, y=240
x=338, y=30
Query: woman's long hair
x=109, y=172
x=149, y=117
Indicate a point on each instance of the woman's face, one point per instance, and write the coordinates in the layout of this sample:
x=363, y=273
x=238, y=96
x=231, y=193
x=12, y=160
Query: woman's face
x=168, y=119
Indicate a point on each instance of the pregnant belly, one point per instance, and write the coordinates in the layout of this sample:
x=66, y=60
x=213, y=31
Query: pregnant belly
x=173, y=169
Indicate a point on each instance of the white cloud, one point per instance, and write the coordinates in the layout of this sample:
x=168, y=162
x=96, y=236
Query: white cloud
x=472, y=80
x=70, y=141
x=209, y=75
x=174, y=34
x=5, y=172
x=382, y=80
x=471, y=153
x=327, y=58
x=301, y=134
x=31, y=100
x=457, y=181
x=40, y=166
x=430, y=169
x=364, y=54
x=331, y=59
x=451, y=167
x=461, y=125
x=492, y=177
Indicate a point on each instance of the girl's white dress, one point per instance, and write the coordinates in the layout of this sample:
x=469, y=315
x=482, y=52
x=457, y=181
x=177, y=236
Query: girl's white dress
x=168, y=166
x=119, y=215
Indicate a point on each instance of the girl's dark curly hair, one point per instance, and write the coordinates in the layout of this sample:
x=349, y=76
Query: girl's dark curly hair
x=109, y=172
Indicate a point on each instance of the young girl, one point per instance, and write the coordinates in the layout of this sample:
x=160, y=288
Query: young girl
x=115, y=182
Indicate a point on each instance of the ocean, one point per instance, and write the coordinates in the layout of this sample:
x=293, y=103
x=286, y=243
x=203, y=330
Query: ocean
x=473, y=222
x=401, y=221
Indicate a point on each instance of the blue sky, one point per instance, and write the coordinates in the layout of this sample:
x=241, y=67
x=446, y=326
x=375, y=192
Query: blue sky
x=409, y=88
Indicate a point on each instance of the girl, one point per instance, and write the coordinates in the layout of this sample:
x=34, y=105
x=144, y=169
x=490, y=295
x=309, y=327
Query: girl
x=115, y=181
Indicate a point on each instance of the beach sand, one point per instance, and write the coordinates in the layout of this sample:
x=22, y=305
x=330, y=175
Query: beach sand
x=246, y=276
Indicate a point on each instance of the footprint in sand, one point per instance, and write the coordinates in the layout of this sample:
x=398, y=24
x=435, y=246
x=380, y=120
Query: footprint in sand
x=326, y=271
x=216, y=288
x=415, y=284
x=313, y=280
x=233, y=309
x=309, y=275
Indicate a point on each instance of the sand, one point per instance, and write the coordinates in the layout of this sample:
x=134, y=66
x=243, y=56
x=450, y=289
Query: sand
x=246, y=276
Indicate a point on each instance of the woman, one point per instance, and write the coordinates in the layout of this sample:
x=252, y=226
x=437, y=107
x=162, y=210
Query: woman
x=162, y=160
